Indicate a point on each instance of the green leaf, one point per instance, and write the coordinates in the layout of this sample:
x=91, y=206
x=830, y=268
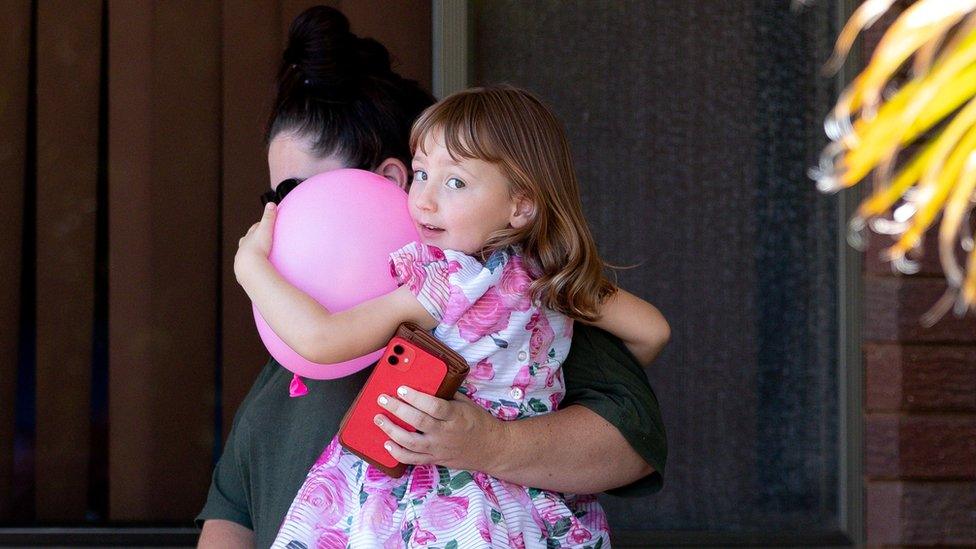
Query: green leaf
x=552, y=352
x=533, y=492
x=444, y=475
x=406, y=533
x=495, y=516
x=537, y=405
x=451, y=545
x=399, y=491
x=599, y=543
x=552, y=543
x=561, y=527
x=362, y=497
x=460, y=480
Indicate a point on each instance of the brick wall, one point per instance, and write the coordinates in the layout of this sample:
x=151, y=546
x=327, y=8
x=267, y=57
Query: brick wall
x=920, y=410
x=920, y=401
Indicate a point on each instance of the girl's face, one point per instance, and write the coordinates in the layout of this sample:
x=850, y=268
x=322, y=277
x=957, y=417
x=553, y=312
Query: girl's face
x=457, y=205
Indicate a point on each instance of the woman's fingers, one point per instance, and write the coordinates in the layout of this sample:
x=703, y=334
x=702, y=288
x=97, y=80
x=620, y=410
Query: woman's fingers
x=418, y=419
x=412, y=441
x=403, y=455
x=436, y=408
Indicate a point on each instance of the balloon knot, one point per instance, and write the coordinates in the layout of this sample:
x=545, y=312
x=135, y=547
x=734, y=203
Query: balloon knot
x=297, y=388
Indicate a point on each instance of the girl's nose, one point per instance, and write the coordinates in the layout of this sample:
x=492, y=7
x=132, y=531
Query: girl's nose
x=426, y=199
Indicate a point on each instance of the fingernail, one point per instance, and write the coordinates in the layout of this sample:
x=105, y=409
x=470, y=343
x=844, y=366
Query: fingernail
x=388, y=446
x=378, y=420
x=383, y=400
x=269, y=206
x=402, y=391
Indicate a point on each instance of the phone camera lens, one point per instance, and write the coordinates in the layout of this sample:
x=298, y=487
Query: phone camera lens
x=392, y=360
x=398, y=349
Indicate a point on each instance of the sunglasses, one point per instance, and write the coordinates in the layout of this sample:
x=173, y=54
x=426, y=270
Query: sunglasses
x=277, y=194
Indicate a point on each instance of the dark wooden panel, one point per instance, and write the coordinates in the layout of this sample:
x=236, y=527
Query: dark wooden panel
x=14, y=61
x=250, y=57
x=164, y=264
x=69, y=50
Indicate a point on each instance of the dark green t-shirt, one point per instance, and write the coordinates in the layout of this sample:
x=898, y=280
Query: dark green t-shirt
x=275, y=439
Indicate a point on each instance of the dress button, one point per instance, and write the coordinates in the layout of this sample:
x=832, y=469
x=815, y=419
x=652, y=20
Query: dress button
x=522, y=355
x=516, y=393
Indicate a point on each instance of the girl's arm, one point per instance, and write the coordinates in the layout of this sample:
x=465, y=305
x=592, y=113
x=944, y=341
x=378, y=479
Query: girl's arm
x=306, y=326
x=637, y=323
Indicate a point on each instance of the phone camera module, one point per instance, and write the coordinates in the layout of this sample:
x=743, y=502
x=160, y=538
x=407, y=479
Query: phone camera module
x=392, y=360
x=398, y=349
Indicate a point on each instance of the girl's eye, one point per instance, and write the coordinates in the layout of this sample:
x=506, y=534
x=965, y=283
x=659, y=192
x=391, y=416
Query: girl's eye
x=419, y=175
x=454, y=183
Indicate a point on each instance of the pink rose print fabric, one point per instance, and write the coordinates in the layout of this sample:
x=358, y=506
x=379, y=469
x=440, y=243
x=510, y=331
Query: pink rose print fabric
x=514, y=348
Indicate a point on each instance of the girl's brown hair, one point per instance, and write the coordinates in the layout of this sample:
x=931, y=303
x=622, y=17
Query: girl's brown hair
x=514, y=130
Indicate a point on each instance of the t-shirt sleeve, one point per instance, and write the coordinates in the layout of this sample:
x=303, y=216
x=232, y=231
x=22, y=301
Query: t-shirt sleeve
x=603, y=376
x=445, y=282
x=229, y=494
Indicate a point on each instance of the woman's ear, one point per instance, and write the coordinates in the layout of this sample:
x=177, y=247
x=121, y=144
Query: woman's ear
x=522, y=213
x=394, y=170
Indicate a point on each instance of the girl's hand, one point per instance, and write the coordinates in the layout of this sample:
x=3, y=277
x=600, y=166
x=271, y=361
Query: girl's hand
x=256, y=244
x=454, y=433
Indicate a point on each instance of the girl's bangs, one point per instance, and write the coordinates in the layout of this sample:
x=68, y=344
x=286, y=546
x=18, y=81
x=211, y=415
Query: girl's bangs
x=467, y=131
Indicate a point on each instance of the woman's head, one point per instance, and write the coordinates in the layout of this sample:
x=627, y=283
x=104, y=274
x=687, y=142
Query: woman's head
x=508, y=134
x=339, y=103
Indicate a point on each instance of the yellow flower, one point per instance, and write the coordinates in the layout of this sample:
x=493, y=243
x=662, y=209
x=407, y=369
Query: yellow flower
x=932, y=113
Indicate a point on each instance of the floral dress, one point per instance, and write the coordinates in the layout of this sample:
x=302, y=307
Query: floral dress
x=515, y=349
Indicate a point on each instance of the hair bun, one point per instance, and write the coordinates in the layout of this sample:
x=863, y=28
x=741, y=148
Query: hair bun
x=374, y=57
x=325, y=54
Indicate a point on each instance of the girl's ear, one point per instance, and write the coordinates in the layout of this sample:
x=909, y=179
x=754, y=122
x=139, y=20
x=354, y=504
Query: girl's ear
x=523, y=211
x=394, y=170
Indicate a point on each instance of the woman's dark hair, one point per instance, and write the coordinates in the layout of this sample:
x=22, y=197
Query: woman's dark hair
x=339, y=90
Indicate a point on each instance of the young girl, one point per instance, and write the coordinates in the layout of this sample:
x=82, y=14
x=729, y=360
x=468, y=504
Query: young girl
x=506, y=264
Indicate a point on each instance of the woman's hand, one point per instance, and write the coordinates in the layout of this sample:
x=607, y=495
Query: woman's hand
x=454, y=433
x=256, y=244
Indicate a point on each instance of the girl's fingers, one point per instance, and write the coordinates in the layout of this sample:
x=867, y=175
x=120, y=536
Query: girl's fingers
x=436, y=408
x=269, y=213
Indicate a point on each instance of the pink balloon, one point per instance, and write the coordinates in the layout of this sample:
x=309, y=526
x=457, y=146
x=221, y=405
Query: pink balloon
x=333, y=237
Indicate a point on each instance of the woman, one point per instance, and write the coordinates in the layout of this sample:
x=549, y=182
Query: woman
x=340, y=105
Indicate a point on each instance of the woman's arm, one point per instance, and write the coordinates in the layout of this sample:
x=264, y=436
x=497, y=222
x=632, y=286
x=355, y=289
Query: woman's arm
x=637, y=323
x=572, y=450
x=217, y=533
x=303, y=323
x=609, y=434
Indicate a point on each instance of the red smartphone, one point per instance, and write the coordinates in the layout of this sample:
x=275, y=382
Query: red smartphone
x=413, y=358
